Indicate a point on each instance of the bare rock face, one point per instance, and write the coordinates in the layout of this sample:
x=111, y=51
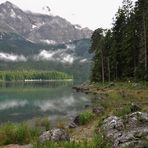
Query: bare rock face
x=54, y=135
x=40, y=27
x=129, y=131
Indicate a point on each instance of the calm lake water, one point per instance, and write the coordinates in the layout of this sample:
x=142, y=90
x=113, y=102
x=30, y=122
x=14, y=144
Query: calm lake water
x=24, y=101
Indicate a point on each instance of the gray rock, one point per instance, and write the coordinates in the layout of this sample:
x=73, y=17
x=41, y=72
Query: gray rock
x=76, y=120
x=97, y=110
x=137, y=144
x=72, y=125
x=54, y=135
x=113, y=122
x=137, y=119
x=133, y=131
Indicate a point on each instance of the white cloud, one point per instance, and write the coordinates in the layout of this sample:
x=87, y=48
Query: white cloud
x=68, y=59
x=83, y=60
x=59, y=55
x=12, y=57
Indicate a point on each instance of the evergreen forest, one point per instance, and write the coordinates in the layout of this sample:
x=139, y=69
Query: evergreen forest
x=121, y=53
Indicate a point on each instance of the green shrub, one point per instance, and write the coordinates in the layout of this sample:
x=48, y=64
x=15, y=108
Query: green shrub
x=85, y=117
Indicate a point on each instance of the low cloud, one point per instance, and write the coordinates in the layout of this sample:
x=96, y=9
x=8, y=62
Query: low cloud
x=57, y=56
x=65, y=56
x=12, y=57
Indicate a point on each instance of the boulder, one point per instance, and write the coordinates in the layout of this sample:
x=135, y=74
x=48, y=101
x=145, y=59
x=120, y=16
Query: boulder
x=127, y=131
x=136, y=119
x=77, y=120
x=113, y=122
x=54, y=135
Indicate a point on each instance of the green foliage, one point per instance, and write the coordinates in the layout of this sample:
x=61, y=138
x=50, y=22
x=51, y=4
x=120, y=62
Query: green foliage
x=33, y=75
x=12, y=43
x=15, y=134
x=85, y=117
x=121, y=52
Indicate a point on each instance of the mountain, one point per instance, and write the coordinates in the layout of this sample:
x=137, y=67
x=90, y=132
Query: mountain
x=37, y=41
x=39, y=27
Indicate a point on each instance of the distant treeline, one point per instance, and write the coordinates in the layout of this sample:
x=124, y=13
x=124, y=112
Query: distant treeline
x=122, y=52
x=33, y=75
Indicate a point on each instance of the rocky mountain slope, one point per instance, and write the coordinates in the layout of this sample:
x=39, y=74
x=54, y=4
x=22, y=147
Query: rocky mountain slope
x=40, y=27
x=38, y=41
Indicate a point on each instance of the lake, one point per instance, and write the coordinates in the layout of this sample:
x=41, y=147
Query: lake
x=24, y=101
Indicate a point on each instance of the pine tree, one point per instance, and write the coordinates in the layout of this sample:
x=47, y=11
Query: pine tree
x=97, y=48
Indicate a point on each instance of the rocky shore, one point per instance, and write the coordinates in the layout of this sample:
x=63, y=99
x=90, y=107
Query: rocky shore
x=117, y=118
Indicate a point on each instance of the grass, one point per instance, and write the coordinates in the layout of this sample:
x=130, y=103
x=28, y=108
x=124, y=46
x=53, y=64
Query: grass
x=85, y=117
x=98, y=142
x=117, y=101
x=61, y=124
x=43, y=122
x=16, y=134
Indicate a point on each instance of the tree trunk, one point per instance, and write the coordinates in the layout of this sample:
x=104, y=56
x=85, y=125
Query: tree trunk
x=102, y=63
x=108, y=63
x=116, y=71
x=145, y=46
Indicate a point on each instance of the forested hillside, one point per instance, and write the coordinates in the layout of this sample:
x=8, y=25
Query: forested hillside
x=33, y=75
x=122, y=52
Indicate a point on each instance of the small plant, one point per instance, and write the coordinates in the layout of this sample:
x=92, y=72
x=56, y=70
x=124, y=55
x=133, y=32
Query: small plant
x=85, y=117
x=23, y=134
x=42, y=122
x=123, y=111
x=100, y=142
x=45, y=123
x=60, y=124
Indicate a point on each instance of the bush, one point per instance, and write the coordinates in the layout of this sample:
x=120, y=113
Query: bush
x=85, y=117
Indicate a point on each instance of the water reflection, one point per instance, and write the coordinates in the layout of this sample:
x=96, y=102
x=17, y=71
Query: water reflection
x=12, y=104
x=24, y=101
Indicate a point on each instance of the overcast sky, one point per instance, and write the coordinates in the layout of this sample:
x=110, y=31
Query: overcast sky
x=87, y=13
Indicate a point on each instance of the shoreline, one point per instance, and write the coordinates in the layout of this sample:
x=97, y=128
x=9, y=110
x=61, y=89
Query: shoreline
x=37, y=80
x=111, y=104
